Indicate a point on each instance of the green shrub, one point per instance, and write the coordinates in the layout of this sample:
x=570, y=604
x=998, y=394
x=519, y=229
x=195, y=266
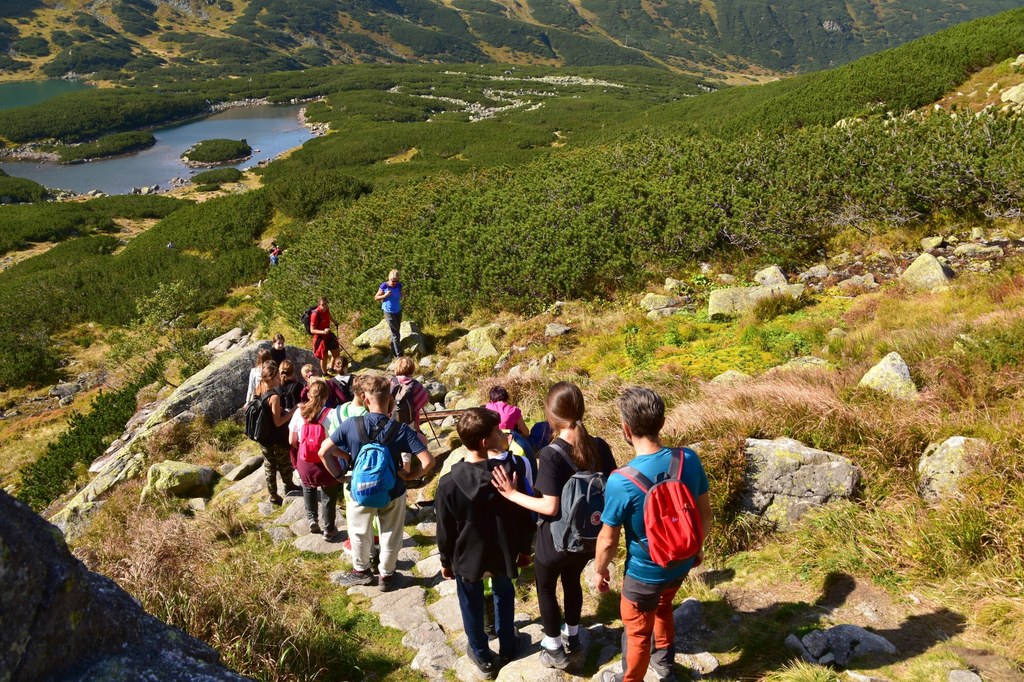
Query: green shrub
x=301, y=195
x=217, y=151
x=217, y=176
x=32, y=46
x=26, y=357
x=20, y=190
x=108, y=145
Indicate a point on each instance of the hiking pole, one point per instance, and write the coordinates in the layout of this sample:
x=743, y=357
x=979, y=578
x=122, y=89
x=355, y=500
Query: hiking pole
x=340, y=344
x=423, y=412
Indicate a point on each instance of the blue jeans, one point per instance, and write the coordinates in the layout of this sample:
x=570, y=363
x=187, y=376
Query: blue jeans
x=471, y=602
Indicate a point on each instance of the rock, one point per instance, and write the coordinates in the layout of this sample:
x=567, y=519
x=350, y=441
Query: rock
x=197, y=504
x=404, y=608
x=848, y=642
x=51, y=604
x=730, y=376
x=836, y=334
x=828, y=659
x=379, y=336
x=225, y=342
x=892, y=377
x=723, y=303
x=315, y=542
x=701, y=662
x=179, y=479
x=861, y=677
x=816, y=642
x=64, y=390
x=426, y=362
x=614, y=571
x=859, y=282
x=771, y=276
x=963, y=676
x=674, y=285
x=978, y=251
x=802, y=363
x=429, y=567
x=447, y=614
x=466, y=671
x=793, y=642
x=434, y=657
x=548, y=359
x=726, y=278
x=688, y=617
x=943, y=465
x=456, y=370
x=245, y=468
x=436, y=390
x=785, y=478
x=555, y=329
x=978, y=233
x=483, y=340
x=931, y=243
x=452, y=398
x=926, y=273
x=279, y=534
x=819, y=271
x=66, y=400
x=658, y=301
x=1014, y=95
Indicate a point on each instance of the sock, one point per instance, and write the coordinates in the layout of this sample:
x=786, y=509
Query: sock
x=570, y=630
x=551, y=643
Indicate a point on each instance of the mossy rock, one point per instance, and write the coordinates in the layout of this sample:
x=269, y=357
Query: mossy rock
x=179, y=479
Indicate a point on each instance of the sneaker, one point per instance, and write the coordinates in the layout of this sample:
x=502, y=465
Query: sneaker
x=354, y=578
x=486, y=667
x=571, y=643
x=387, y=583
x=330, y=534
x=347, y=545
x=554, y=658
x=611, y=676
x=276, y=500
x=314, y=527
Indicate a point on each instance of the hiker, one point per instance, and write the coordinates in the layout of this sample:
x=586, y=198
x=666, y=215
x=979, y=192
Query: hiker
x=481, y=534
x=308, y=373
x=540, y=435
x=275, y=253
x=291, y=388
x=321, y=476
x=340, y=384
x=648, y=587
x=389, y=295
x=573, y=450
x=324, y=341
x=276, y=456
x=511, y=416
x=278, y=353
x=410, y=395
x=262, y=355
x=376, y=493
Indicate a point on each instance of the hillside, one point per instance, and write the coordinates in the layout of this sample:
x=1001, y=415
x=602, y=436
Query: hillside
x=714, y=38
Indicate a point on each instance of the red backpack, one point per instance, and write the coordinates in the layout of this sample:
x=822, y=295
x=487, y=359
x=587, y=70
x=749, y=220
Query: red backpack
x=671, y=520
x=312, y=436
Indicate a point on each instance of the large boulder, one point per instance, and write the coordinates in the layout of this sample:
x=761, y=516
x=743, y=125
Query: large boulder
x=379, y=336
x=785, y=478
x=64, y=622
x=1014, y=95
x=943, y=465
x=483, y=340
x=926, y=273
x=652, y=302
x=225, y=342
x=179, y=479
x=892, y=377
x=847, y=642
x=770, y=276
x=725, y=303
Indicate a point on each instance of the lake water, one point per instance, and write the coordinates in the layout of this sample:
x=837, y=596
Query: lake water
x=271, y=129
x=32, y=92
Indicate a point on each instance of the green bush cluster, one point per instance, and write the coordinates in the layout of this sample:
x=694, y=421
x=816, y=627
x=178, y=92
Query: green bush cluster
x=592, y=222
x=302, y=195
x=88, y=435
x=217, y=176
x=53, y=222
x=108, y=145
x=217, y=151
x=32, y=46
x=19, y=191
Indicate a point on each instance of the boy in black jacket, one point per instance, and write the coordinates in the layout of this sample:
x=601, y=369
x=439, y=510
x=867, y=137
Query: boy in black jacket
x=481, y=535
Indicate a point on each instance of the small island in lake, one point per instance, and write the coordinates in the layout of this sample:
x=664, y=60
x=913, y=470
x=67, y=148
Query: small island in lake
x=216, y=152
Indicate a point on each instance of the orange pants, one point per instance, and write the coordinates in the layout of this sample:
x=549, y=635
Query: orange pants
x=640, y=625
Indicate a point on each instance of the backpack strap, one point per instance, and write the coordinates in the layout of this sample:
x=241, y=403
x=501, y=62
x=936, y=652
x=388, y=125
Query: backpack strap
x=635, y=477
x=565, y=455
x=677, y=464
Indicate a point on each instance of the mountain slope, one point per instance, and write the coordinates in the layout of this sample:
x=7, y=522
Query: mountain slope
x=113, y=38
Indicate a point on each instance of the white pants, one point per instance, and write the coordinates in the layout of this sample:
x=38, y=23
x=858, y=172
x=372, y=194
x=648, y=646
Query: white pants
x=390, y=520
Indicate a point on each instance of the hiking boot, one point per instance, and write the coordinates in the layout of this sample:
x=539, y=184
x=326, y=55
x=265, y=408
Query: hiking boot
x=314, y=528
x=486, y=667
x=611, y=676
x=276, y=500
x=571, y=643
x=330, y=534
x=554, y=658
x=387, y=583
x=354, y=578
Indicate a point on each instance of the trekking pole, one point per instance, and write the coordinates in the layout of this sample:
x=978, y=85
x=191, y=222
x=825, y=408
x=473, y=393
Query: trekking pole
x=423, y=412
x=344, y=350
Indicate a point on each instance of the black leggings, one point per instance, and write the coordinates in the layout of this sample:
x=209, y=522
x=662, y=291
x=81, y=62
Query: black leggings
x=569, y=568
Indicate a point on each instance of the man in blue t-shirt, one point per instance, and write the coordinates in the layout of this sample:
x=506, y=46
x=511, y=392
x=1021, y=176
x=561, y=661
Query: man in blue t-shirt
x=345, y=443
x=647, y=588
x=389, y=295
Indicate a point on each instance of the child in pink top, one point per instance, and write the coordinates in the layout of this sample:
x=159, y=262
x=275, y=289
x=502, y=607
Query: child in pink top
x=511, y=416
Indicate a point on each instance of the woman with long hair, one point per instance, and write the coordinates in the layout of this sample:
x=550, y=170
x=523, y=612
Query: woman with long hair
x=276, y=458
x=321, y=475
x=262, y=355
x=572, y=450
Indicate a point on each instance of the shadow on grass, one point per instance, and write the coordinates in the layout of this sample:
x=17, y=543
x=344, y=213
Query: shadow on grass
x=760, y=636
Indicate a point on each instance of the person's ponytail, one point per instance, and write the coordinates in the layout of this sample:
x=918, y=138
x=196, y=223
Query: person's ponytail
x=564, y=407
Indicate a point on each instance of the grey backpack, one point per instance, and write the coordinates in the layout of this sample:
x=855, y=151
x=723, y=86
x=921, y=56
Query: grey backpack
x=579, y=521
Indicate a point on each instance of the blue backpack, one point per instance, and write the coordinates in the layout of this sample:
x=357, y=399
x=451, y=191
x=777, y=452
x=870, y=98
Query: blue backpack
x=374, y=475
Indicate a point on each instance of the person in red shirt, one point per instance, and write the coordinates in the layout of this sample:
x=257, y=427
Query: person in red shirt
x=324, y=341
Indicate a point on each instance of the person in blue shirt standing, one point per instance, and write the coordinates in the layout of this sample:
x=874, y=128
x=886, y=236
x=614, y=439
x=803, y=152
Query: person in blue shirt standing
x=647, y=588
x=389, y=295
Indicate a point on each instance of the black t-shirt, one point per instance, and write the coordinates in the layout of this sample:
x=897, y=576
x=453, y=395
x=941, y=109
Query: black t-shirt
x=554, y=469
x=291, y=393
x=278, y=356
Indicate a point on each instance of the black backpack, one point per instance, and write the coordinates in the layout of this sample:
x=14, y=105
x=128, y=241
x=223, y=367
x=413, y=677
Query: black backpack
x=404, y=412
x=306, y=318
x=579, y=517
x=257, y=420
